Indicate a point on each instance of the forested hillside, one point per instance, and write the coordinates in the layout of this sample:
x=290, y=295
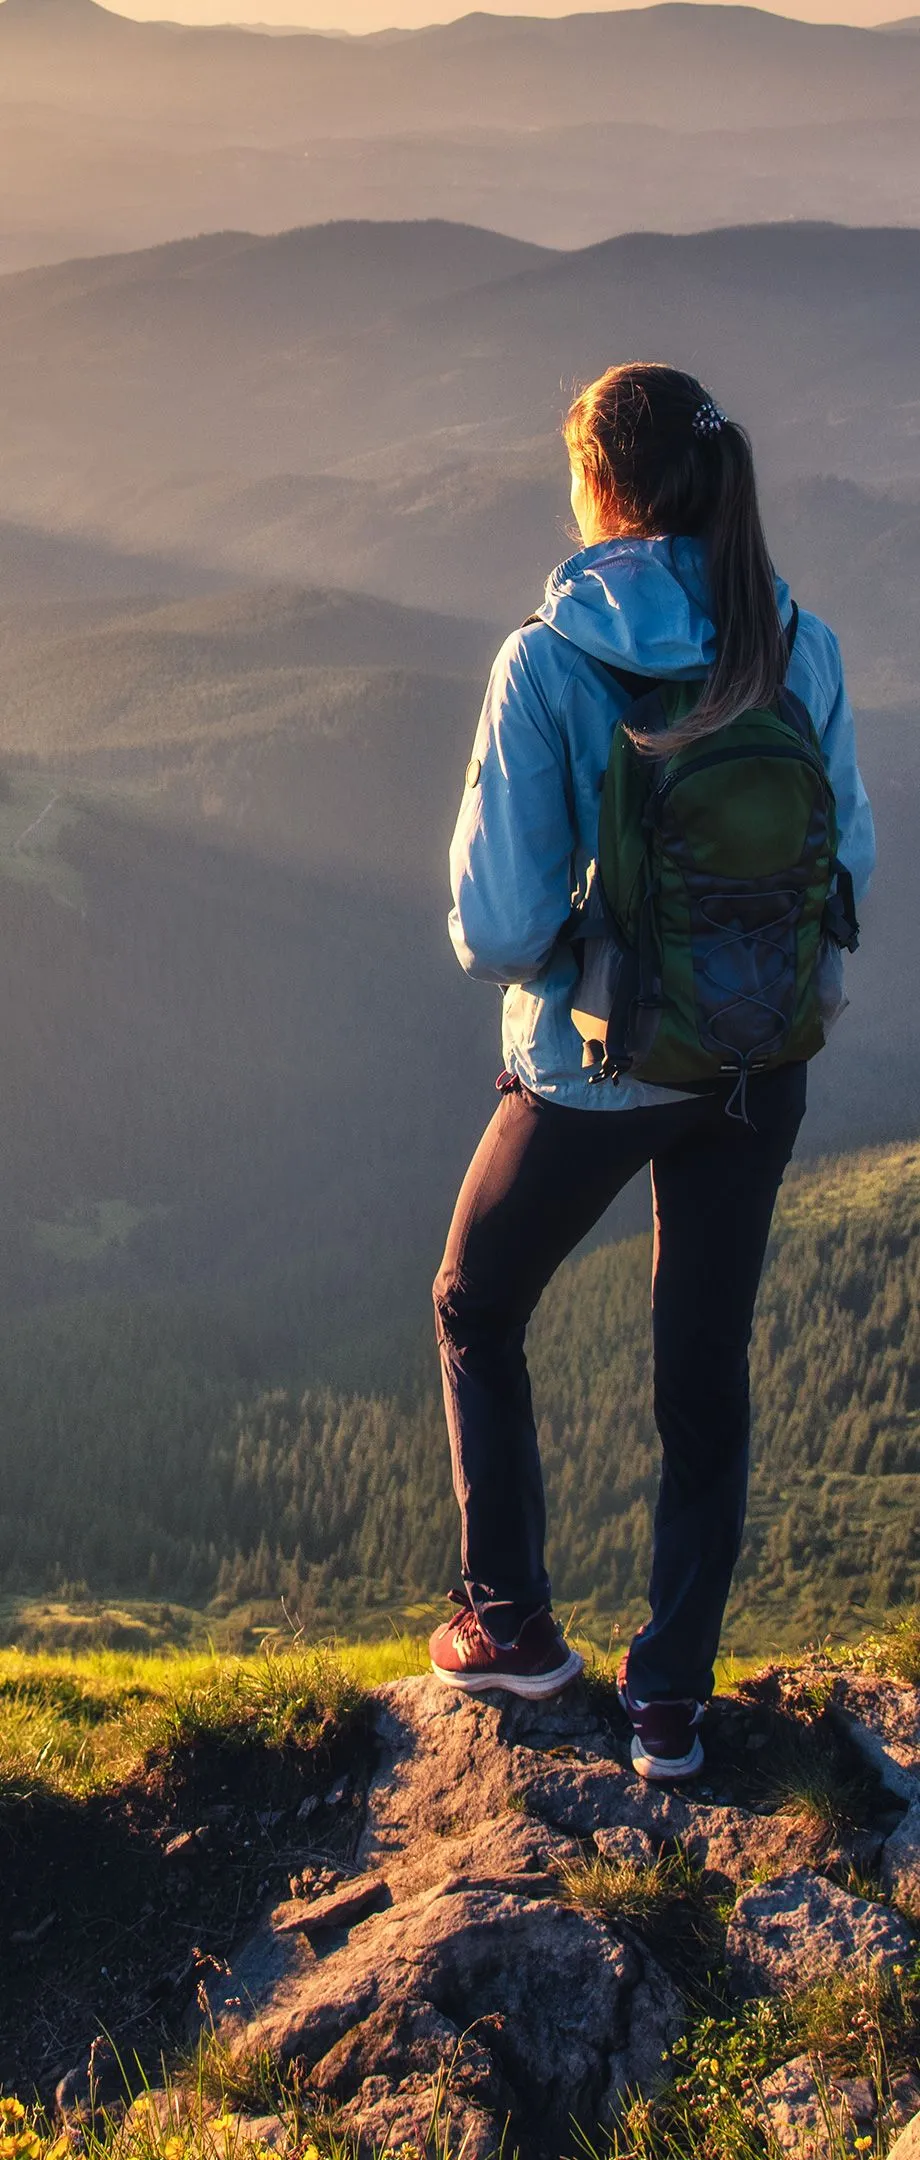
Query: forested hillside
x=173, y=1468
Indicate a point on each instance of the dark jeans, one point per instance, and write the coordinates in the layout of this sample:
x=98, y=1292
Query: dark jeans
x=541, y=1176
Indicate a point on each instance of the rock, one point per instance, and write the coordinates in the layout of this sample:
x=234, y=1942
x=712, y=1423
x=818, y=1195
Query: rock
x=792, y=1932
x=477, y=1980
x=243, y=2132
x=93, y=2085
x=168, y=2109
x=601, y=1796
x=403, y=2040
x=451, y=1764
x=882, y=1718
x=903, y=2099
x=384, y=2119
x=810, y=2120
x=900, y=1862
x=338, y=1909
x=173, y=2110
x=624, y=1844
x=187, y=1845
x=563, y=1985
x=732, y=1842
x=443, y=1771
x=857, y=2094
x=907, y=2146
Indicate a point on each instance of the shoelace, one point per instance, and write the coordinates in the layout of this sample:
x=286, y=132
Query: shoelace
x=468, y=1627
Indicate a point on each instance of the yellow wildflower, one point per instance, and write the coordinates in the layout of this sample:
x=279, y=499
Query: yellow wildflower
x=60, y=2150
x=312, y=2153
x=224, y=2122
x=11, y=2109
x=174, y=2148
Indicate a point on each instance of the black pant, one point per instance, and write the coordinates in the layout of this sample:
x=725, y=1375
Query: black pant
x=540, y=1178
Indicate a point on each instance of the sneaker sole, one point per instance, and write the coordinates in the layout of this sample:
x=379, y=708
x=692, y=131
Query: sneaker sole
x=663, y=1769
x=532, y=1686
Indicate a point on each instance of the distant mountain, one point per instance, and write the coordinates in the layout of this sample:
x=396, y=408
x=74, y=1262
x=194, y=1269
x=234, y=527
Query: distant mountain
x=675, y=65
x=363, y=403
x=329, y=729
x=119, y=133
x=37, y=565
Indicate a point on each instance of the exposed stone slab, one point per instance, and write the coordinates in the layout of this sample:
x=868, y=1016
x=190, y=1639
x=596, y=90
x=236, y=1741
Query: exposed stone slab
x=790, y=1933
x=450, y=1763
x=406, y=2039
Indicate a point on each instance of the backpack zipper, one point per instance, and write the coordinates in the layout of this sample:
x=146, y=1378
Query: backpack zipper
x=724, y=757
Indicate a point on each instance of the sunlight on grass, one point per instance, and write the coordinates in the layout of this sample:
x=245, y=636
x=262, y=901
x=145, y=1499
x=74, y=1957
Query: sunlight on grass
x=849, y=1185
x=78, y=1721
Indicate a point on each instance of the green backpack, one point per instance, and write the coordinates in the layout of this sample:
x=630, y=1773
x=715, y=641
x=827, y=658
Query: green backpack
x=711, y=933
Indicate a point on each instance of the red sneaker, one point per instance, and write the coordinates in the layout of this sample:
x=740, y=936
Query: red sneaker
x=538, y=1662
x=665, y=1742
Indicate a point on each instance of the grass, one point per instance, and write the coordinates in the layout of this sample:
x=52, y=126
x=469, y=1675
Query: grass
x=77, y=1723
x=81, y=1720
x=680, y=1914
x=199, y=2118
x=894, y=1650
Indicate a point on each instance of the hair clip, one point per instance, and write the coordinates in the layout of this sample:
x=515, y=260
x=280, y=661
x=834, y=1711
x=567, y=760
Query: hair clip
x=708, y=419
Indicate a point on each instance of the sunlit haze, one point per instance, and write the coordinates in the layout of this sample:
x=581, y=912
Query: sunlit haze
x=356, y=17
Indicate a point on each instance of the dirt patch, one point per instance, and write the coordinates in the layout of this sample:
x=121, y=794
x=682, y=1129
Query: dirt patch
x=116, y=1905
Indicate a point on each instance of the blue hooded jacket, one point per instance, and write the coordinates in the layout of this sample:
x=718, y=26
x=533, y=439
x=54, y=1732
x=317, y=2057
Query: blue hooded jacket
x=527, y=829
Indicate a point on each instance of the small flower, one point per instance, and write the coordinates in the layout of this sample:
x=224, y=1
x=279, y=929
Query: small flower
x=12, y=2110
x=174, y=2148
x=224, y=2122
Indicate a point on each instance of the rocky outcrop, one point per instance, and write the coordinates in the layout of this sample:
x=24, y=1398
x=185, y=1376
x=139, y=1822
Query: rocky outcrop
x=452, y=1971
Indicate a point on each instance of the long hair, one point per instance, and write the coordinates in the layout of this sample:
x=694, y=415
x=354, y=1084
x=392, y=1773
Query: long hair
x=654, y=473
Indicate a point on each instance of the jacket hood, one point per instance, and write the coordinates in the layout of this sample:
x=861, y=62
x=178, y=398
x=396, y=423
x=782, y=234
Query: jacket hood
x=640, y=604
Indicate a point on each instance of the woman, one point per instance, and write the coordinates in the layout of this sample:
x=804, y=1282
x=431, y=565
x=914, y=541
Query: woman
x=673, y=583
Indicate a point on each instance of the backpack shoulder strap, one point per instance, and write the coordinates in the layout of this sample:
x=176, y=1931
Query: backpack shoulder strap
x=790, y=631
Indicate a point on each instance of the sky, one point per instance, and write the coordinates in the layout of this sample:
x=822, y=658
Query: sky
x=356, y=16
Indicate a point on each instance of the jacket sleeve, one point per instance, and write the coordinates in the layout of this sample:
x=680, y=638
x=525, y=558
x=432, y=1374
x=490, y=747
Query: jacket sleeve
x=511, y=854
x=855, y=827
